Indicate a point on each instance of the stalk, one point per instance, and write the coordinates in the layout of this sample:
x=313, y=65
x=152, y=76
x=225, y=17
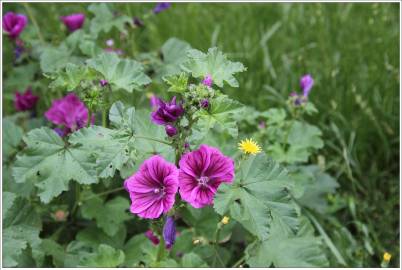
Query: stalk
x=35, y=23
x=161, y=250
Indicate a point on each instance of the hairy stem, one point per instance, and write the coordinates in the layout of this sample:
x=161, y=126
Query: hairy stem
x=35, y=23
x=161, y=250
x=104, y=118
x=239, y=262
x=89, y=117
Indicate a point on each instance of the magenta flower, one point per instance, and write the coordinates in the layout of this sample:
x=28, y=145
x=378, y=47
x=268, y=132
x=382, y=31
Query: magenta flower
x=161, y=7
x=103, y=83
x=73, y=21
x=25, y=101
x=14, y=24
x=306, y=83
x=166, y=112
x=69, y=111
x=153, y=187
x=201, y=173
x=169, y=232
x=207, y=81
x=152, y=237
x=204, y=103
x=170, y=130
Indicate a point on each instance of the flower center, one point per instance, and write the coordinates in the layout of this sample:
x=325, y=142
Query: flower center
x=160, y=191
x=203, y=180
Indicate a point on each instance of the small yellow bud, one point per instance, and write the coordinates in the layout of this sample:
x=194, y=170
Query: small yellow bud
x=225, y=220
x=196, y=241
x=387, y=257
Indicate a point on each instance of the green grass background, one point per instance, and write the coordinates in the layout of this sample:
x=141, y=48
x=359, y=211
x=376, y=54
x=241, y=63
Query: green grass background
x=352, y=51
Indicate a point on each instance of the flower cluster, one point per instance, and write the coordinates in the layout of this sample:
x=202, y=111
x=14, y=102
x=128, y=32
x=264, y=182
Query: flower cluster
x=306, y=83
x=166, y=113
x=70, y=112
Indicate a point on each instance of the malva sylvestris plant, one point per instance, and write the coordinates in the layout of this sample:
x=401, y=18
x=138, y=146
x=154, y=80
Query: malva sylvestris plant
x=167, y=184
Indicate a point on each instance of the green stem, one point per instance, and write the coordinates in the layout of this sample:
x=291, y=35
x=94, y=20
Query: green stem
x=104, y=118
x=103, y=193
x=161, y=250
x=239, y=262
x=89, y=117
x=35, y=23
x=77, y=200
x=152, y=139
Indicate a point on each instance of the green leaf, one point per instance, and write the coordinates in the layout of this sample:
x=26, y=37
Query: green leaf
x=20, y=77
x=109, y=216
x=258, y=197
x=92, y=237
x=220, y=115
x=8, y=201
x=134, y=250
x=12, y=136
x=123, y=74
x=173, y=51
x=105, y=20
x=50, y=165
x=110, y=148
x=70, y=77
x=213, y=63
x=105, y=256
x=178, y=83
x=52, y=248
x=192, y=260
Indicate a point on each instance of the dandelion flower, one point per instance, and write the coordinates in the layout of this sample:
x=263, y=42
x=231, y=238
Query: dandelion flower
x=248, y=146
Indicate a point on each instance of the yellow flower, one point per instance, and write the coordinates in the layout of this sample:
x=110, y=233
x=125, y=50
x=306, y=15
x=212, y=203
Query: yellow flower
x=196, y=241
x=387, y=257
x=225, y=220
x=249, y=146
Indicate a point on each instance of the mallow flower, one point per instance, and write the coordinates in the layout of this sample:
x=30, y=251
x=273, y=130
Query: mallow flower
x=25, y=101
x=161, y=7
x=169, y=232
x=153, y=187
x=74, y=21
x=14, y=24
x=306, y=83
x=201, y=173
x=165, y=112
x=69, y=112
x=207, y=81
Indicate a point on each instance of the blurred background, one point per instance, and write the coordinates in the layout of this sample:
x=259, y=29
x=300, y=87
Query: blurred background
x=351, y=50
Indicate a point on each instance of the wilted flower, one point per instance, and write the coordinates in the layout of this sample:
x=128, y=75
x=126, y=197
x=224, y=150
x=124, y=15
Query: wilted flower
x=14, y=24
x=207, y=81
x=73, y=21
x=60, y=215
x=152, y=188
x=161, y=7
x=306, y=83
x=151, y=236
x=25, y=101
x=169, y=232
x=170, y=130
x=201, y=173
x=138, y=22
x=103, y=82
x=204, y=103
x=165, y=112
x=69, y=111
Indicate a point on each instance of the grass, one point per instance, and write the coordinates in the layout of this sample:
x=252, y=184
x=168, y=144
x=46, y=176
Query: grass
x=351, y=50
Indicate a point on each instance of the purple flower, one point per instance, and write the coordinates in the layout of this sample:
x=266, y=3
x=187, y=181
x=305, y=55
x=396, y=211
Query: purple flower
x=73, y=21
x=161, y=7
x=207, y=81
x=151, y=236
x=109, y=42
x=153, y=187
x=201, y=173
x=14, y=24
x=170, y=130
x=138, y=22
x=103, y=83
x=166, y=112
x=25, y=101
x=261, y=124
x=204, y=103
x=169, y=232
x=306, y=83
x=69, y=111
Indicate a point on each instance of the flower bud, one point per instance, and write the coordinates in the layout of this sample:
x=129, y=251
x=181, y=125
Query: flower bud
x=207, y=81
x=169, y=232
x=170, y=130
x=306, y=83
x=152, y=237
x=103, y=82
x=225, y=220
x=204, y=103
